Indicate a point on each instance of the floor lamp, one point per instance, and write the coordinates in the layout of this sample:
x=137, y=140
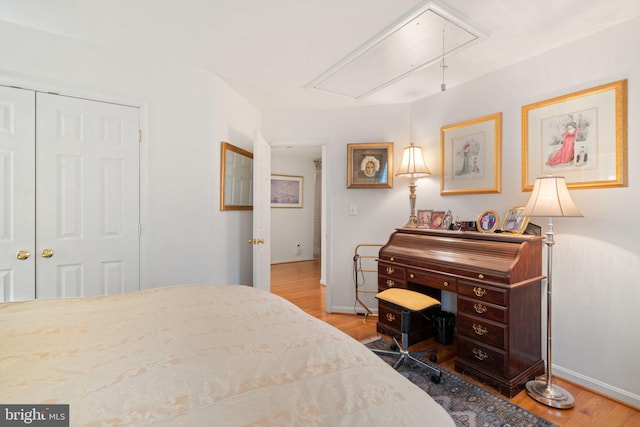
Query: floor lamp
x=414, y=167
x=550, y=198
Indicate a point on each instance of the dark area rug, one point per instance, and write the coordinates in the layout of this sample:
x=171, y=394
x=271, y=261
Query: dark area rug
x=468, y=404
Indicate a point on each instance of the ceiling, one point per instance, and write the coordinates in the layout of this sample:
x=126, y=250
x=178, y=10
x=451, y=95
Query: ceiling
x=271, y=51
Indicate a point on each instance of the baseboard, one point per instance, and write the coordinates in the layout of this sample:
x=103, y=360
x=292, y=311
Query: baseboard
x=607, y=390
x=352, y=310
x=287, y=261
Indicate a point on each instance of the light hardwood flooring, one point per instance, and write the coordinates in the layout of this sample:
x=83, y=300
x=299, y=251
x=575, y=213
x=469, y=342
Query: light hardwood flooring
x=299, y=283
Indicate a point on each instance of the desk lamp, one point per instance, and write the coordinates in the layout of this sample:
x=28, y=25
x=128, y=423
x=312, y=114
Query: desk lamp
x=550, y=198
x=414, y=167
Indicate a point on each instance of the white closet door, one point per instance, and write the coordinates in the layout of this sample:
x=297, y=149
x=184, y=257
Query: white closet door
x=87, y=197
x=17, y=184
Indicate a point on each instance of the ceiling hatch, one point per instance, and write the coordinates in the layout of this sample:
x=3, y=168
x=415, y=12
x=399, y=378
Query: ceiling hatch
x=413, y=43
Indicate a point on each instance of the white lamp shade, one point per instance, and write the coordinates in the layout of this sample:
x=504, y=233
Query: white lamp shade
x=550, y=197
x=413, y=164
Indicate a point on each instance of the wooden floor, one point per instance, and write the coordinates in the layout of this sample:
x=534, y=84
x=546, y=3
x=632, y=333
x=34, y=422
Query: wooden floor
x=300, y=283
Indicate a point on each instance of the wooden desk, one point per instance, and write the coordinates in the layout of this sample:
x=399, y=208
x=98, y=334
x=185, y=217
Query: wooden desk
x=497, y=279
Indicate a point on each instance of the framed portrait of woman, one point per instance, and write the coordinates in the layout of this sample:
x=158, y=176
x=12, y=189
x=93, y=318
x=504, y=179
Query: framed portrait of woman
x=370, y=165
x=581, y=136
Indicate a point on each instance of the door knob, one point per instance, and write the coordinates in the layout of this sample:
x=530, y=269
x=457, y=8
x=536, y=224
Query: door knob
x=23, y=254
x=47, y=253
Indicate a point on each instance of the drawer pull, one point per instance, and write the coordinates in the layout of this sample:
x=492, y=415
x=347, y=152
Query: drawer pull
x=392, y=259
x=391, y=317
x=412, y=276
x=390, y=283
x=390, y=270
x=480, y=276
x=479, y=329
x=479, y=292
x=479, y=308
x=446, y=284
x=479, y=354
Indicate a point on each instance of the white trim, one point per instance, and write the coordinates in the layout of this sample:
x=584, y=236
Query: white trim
x=597, y=386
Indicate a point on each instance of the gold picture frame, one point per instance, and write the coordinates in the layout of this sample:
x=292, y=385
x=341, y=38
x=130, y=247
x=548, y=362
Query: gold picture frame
x=471, y=156
x=370, y=165
x=488, y=221
x=236, y=178
x=513, y=222
x=581, y=136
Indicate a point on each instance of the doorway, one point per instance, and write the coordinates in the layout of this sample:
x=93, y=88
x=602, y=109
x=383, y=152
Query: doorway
x=297, y=159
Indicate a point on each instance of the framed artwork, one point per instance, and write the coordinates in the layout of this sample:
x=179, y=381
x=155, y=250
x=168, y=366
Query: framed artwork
x=370, y=165
x=513, y=222
x=581, y=136
x=488, y=221
x=437, y=219
x=471, y=156
x=424, y=218
x=286, y=191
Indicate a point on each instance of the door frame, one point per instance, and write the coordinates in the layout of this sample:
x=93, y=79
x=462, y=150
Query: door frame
x=325, y=266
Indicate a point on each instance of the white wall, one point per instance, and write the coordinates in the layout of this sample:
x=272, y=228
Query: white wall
x=596, y=258
x=293, y=226
x=186, y=113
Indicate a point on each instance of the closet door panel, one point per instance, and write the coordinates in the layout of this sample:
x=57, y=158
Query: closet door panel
x=17, y=194
x=88, y=197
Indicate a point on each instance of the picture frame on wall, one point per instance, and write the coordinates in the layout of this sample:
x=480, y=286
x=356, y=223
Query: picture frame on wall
x=513, y=222
x=581, y=136
x=287, y=191
x=370, y=165
x=471, y=156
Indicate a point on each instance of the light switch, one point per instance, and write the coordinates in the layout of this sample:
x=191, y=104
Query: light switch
x=353, y=210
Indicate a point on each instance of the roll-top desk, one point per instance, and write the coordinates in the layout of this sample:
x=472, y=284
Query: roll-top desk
x=497, y=280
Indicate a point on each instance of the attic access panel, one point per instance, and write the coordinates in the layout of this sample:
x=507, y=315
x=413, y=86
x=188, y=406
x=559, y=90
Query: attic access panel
x=413, y=43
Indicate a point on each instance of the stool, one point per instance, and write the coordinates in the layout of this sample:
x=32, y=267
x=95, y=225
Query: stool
x=409, y=301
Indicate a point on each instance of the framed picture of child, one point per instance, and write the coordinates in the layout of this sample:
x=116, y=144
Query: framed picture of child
x=488, y=221
x=513, y=222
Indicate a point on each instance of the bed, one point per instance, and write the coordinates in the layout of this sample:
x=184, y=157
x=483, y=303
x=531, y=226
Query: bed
x=198, y=355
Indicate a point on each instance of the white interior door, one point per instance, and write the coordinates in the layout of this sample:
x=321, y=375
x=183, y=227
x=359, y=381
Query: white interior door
x=17, y=184
x=261, y=213
x=87, y=197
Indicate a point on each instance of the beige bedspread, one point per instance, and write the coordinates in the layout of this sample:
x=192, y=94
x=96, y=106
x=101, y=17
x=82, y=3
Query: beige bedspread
x=199, y=356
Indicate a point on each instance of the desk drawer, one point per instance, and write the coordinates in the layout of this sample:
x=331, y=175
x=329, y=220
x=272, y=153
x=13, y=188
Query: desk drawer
x=391, y=271
x=390, y=323
x=483, y=357
x=484, y=331
x=437, y=281
x=482, y=292
x=385, y=283
x=482, y=309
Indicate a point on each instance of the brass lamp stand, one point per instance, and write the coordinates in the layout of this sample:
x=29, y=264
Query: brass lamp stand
x=550, y=198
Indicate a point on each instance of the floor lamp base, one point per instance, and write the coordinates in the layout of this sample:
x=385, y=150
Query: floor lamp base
x=550, y=395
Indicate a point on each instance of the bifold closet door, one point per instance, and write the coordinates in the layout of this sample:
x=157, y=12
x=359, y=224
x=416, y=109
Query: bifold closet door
x=87, y=197
x=17, y=194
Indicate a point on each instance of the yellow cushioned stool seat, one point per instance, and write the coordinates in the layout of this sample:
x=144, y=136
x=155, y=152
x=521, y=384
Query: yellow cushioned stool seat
x=405, y=298
x=409, y=301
